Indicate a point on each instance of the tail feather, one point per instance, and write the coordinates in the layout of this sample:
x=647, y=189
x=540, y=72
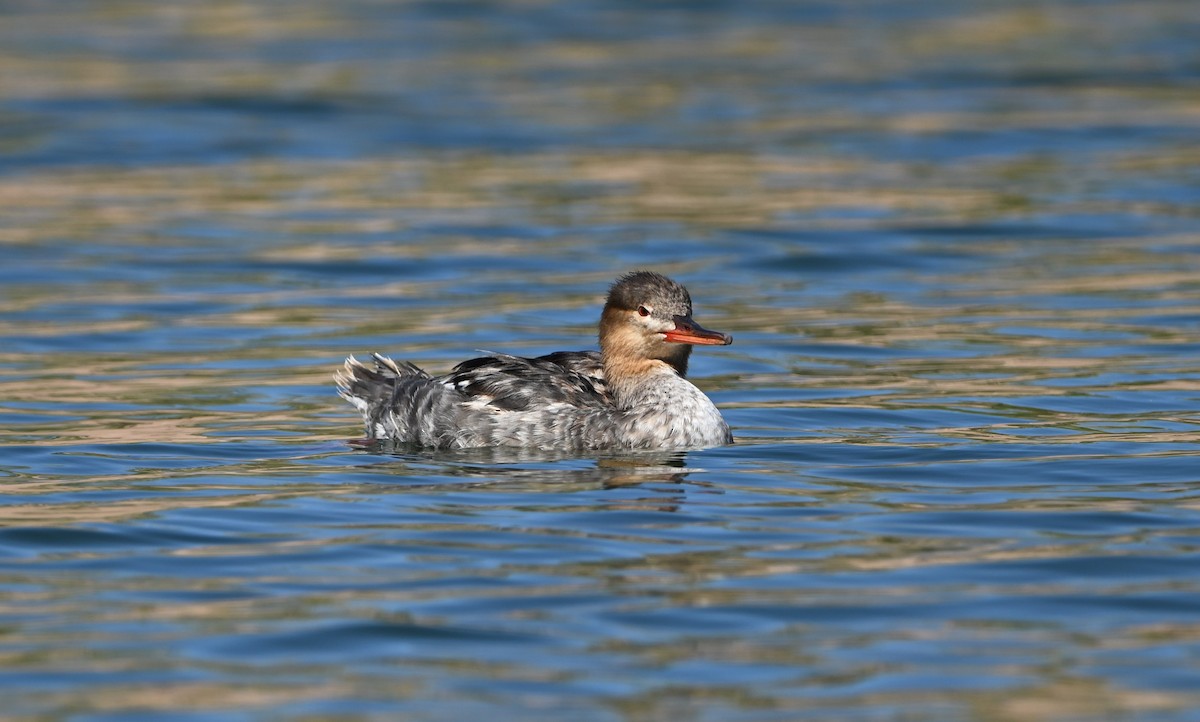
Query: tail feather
x=402, y=403
x=371, y=389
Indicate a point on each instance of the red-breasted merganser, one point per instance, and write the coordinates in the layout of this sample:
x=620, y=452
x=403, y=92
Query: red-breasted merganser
x=633, y=394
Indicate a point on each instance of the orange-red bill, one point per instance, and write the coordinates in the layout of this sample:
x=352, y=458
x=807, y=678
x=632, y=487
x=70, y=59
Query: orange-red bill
x=688, y=331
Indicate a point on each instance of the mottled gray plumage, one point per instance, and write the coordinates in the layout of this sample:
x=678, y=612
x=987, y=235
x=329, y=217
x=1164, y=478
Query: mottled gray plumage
x=631, y=395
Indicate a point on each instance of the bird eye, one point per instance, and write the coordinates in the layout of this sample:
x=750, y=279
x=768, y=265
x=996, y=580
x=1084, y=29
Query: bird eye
x=643, y=311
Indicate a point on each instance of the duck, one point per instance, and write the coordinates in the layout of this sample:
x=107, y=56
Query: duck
x=631, y=394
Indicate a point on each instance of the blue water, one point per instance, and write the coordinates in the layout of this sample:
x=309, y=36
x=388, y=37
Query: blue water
x=957, y=245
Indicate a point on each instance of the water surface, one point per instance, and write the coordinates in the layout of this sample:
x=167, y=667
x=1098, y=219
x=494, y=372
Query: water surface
x=957, y=245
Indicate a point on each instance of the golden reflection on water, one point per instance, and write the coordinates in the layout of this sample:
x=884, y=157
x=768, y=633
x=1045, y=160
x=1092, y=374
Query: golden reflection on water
x=701, y=188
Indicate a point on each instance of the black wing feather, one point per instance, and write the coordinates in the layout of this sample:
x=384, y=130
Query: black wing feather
x=515, y=383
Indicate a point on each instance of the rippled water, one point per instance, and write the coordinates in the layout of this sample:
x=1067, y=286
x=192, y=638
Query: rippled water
x=957, y=244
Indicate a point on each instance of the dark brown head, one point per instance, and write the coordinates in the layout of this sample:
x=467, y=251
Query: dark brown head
x=649, y=317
